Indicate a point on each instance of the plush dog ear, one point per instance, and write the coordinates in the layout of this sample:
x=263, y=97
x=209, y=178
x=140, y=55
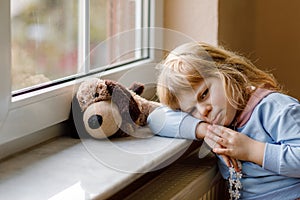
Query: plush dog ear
x=75, y=121
x=137, y=87
x=126, y=104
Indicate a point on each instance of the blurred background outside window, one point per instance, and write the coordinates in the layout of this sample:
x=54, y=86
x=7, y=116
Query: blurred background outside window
x=46, y=37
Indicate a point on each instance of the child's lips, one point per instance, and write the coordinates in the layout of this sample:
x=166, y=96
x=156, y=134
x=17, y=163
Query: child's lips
x=216, y=119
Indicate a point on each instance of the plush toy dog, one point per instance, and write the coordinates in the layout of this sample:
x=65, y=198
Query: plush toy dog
x=105, y=108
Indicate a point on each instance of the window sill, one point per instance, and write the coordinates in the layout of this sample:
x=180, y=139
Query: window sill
x=67, y=168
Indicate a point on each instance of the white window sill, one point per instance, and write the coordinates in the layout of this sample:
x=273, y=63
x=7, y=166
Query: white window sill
x=67, y=168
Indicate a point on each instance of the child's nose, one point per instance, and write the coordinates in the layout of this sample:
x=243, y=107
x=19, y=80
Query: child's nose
x=204, y=110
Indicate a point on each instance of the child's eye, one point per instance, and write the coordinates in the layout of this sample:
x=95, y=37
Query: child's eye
x=203, y=95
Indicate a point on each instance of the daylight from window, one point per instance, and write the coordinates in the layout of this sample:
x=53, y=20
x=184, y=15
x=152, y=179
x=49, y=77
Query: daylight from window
x=47, y=37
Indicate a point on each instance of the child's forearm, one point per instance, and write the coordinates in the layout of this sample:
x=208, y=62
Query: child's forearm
x=256, y=152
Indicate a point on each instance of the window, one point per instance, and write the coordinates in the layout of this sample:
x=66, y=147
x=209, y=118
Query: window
x=53, y=40
x=50, y=45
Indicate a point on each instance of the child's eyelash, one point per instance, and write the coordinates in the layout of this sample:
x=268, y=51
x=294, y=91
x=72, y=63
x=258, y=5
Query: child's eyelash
x=203, y=95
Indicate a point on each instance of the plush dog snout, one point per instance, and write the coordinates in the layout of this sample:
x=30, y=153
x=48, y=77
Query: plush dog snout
x=95, y=121
x=102, y=119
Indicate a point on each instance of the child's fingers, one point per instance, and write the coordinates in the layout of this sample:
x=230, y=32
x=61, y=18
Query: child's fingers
x=222, y=151
x=226, y=160
x=231, y=162
x=218, y=130
x=217, y=139
x=235, y=164
x=221, y=131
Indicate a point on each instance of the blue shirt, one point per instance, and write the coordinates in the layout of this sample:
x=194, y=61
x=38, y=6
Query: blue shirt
x=275, y=120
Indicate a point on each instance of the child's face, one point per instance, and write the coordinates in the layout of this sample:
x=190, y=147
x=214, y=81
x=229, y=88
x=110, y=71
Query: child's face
x=208, y=102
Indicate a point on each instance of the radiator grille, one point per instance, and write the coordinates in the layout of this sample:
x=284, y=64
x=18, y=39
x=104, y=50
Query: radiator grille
x=190, y=179
x=217, y=191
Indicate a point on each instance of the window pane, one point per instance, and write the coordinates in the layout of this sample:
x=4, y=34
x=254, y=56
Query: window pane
x=116, y=32
x=44, y=40
x=58, y=39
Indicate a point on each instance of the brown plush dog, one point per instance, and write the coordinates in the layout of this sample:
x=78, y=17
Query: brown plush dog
x=105, y=108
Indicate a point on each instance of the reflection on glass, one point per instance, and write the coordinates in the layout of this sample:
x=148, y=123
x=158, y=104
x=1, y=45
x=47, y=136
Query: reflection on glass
x=122, y=42
x=44, y=40
x=47, y=38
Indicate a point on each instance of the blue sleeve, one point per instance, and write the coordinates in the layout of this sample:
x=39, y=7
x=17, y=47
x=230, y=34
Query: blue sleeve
x=166, y=122
x=283, y=124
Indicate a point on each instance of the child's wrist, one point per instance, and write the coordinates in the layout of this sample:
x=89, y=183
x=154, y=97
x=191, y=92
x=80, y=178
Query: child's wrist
x=257, y=152
x=201, y=130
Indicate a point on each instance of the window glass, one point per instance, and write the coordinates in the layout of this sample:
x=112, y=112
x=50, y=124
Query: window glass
x=44, y=40
x=54, y=40
x=123, y=39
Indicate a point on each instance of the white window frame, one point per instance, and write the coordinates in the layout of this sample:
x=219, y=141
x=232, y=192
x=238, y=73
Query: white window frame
x=22, y=118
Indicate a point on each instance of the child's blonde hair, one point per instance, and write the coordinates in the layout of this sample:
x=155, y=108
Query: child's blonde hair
x=190, y=63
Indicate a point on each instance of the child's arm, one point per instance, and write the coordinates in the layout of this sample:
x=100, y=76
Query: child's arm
x=169, y=123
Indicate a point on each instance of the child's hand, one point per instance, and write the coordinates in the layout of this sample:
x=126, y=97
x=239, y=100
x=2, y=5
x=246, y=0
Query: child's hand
x=201, y=131
x=230, y=162
x=235, y=144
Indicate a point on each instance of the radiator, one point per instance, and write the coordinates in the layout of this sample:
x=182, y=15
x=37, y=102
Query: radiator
x=191, y=178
